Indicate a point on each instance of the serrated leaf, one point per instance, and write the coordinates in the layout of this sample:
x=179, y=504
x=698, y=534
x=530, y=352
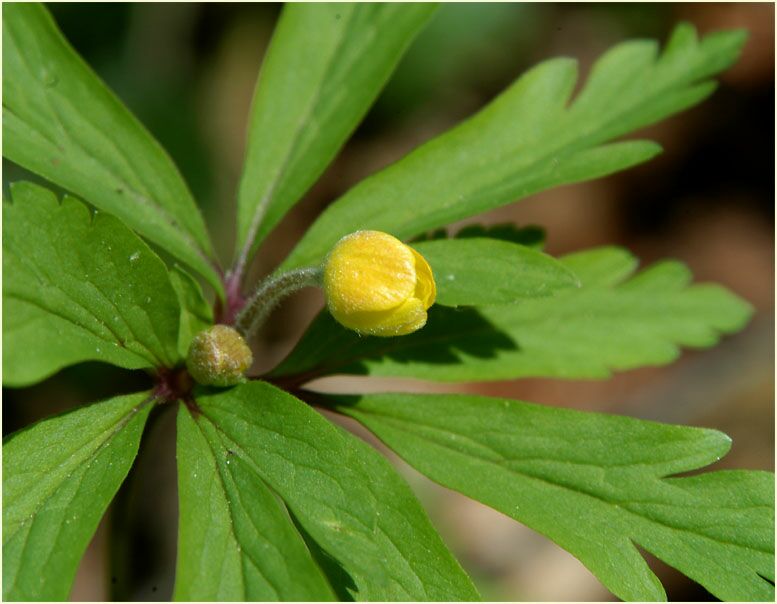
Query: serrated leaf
x=595, y=484
x=530, y=138
x=323, y=70
x=343, y=493
x=235, y=540
x=196, y=313
x=473, y=271
x=59, y=476
x=61, y=122
x=79, y=287
x=581, y=333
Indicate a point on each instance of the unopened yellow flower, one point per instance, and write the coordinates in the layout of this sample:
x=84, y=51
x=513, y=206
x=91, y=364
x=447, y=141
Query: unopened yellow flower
x=377, y=285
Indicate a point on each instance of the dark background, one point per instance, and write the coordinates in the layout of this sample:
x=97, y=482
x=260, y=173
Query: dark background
x=188, y=71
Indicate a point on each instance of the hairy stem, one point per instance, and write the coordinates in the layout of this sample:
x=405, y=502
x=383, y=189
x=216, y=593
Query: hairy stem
x=269, y=293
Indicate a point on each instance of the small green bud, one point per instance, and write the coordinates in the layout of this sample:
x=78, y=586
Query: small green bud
x=218, y=356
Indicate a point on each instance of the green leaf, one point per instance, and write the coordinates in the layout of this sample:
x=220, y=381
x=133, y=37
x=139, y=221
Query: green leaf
x=474, y=271
x=235, y=539
x=58, y=478
x=339, y=579
x=581, y=333
x=61, y=122
x=342, y=492
x=530, y=138
x=79, y=287
x=605, y=266
x=595, y=484
x=196, y=313
x=532, y=236
x=323, y=70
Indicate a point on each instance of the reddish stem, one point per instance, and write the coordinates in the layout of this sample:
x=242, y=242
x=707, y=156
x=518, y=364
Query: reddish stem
x=235, y=300
x=173, y=384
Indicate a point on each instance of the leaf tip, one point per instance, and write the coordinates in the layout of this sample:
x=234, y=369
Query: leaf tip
x=717, y=443
x=735, y=311
x=734, y=39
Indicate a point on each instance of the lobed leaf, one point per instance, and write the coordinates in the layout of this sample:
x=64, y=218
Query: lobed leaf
x=59, y=476
x=530, y=138
x=79, y=287
x=61, y=122
x=579, y=333
x=474, y=271
x=595, y=484
x=324, y=68
x=345, y=496
x=235, y=539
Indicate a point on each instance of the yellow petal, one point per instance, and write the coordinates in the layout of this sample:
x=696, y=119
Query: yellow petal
x=406, y=318
x=369, y=271
x=425, y=288
x=377, y=285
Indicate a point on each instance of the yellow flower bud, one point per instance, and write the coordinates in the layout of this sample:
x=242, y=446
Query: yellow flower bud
x=218, y=356
x=377, y=285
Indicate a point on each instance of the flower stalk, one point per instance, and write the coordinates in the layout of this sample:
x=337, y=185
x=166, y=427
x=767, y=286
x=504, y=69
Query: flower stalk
x=269, y=293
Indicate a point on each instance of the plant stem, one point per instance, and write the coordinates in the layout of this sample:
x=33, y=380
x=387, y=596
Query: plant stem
x=269, y=293
x=234, y=301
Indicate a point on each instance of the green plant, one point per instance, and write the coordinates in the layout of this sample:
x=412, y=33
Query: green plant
x=275, y=501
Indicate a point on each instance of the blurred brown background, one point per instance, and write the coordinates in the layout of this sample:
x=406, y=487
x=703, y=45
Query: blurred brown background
x=188, y=71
